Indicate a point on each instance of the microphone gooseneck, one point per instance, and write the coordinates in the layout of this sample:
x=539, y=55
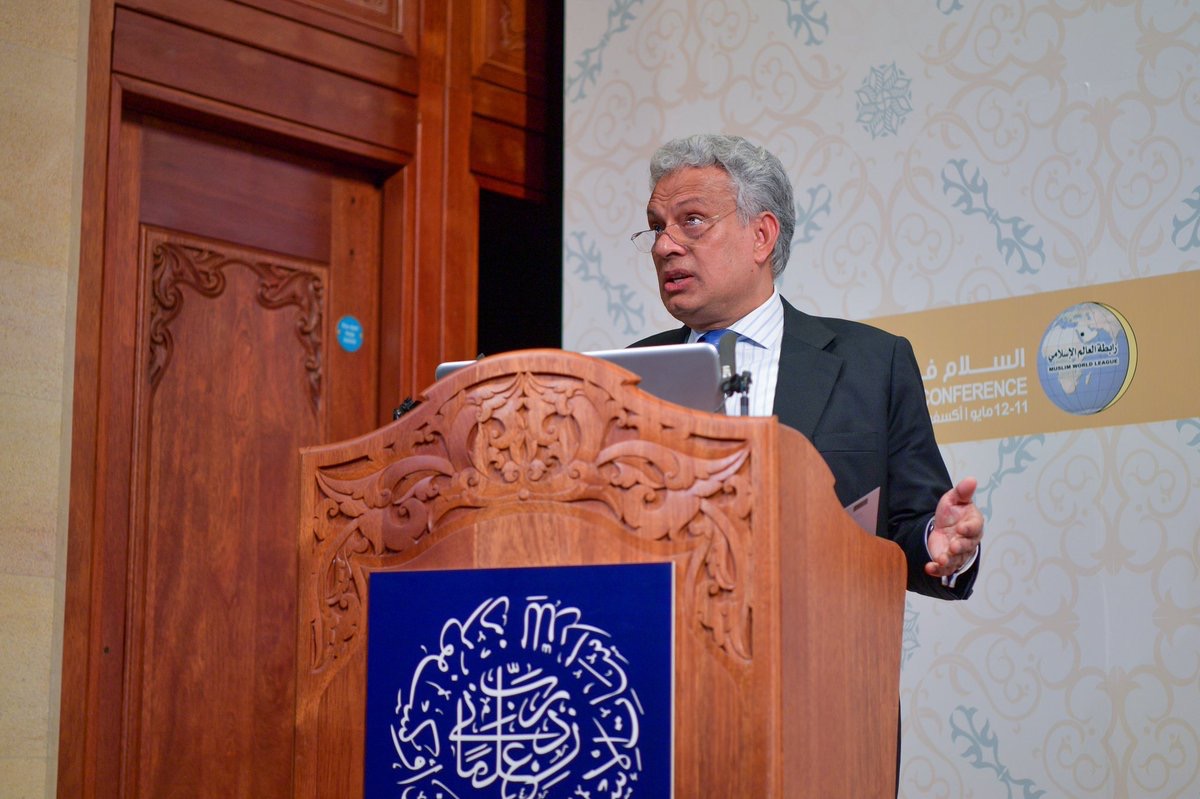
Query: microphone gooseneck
x=727, y=357
x=731, y=381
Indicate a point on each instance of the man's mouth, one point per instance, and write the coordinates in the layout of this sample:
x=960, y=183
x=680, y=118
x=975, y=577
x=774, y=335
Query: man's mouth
x=674, y=280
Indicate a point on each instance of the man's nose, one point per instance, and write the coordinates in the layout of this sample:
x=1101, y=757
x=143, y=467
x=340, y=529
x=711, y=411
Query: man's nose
x=665, y=245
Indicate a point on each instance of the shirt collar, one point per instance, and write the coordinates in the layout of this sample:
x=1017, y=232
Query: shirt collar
x=763, y=326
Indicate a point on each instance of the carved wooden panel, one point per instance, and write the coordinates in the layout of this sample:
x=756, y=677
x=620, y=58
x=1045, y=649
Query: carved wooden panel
x=517, y=441
x=234, y=387
x=510, y=44
x=178, y=262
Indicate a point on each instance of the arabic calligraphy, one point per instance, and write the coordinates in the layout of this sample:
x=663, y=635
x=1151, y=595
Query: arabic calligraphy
x=519, y=700
x=1072, y=357
x=962, y=395
x=962, y=366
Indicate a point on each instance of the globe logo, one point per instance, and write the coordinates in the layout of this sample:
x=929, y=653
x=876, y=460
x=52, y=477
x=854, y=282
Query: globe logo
x=1087, y=358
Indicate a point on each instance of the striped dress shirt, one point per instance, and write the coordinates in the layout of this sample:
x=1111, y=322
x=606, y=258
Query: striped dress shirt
x=760, y=336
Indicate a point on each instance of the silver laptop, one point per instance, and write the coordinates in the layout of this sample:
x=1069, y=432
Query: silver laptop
x=685, y=374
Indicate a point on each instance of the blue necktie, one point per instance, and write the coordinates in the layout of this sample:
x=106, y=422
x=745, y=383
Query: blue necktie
x=713, y=336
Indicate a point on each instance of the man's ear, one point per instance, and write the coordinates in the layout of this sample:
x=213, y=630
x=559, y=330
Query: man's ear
x=766, y=233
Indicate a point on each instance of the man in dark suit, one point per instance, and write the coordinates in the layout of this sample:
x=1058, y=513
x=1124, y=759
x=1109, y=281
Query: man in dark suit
x=721, y=218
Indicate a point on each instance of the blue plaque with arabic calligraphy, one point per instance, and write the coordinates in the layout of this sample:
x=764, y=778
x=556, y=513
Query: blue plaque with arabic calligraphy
x=520, y=683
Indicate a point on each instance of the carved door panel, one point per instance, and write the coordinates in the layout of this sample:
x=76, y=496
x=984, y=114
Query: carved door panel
x=242, y=262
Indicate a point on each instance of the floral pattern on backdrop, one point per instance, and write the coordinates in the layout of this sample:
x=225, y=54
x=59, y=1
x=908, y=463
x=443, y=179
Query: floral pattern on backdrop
x=948, y=152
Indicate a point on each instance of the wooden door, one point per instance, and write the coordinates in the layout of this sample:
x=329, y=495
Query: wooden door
x=246, y=289
x=273, y=254
x=247, y=260
x=233, y=264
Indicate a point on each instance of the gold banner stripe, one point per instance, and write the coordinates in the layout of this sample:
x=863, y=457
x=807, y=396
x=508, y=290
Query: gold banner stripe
x=980, y=361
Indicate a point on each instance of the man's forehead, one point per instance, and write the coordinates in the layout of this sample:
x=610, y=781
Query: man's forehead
x=691, y=184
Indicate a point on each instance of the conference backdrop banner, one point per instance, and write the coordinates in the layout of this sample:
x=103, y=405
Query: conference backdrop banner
x=1014, y=186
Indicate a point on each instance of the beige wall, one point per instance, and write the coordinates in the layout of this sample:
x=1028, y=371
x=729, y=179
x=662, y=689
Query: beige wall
x=957, y=157
x=41, y=102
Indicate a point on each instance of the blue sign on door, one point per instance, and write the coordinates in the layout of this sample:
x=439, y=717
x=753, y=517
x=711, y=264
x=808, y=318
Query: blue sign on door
x=349, y=333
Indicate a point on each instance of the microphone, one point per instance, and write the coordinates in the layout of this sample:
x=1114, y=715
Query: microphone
x=727, y=357
x=731, y=381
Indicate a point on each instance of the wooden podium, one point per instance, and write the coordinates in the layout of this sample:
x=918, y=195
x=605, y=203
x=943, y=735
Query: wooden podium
x=788, y=616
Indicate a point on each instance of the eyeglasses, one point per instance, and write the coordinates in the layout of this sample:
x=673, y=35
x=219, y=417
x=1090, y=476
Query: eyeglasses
x=686, y=232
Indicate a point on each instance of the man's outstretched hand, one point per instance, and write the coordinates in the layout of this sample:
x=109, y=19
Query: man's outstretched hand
x=957, y=530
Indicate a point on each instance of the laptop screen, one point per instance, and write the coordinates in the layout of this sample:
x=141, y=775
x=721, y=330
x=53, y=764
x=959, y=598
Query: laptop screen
x=685, y=374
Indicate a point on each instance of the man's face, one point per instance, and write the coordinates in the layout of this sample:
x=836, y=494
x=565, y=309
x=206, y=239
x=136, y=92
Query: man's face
x=720, y=277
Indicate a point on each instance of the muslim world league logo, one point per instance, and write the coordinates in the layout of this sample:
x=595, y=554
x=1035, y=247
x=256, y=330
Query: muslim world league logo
x=1087, y=358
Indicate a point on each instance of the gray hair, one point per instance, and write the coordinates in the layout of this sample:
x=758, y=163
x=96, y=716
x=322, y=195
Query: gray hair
x=759, y=180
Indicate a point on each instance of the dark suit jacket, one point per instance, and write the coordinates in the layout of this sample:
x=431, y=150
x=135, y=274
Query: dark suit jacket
x=855, y=391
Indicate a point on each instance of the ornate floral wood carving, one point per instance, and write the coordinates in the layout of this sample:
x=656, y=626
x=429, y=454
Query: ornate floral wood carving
x=505, y=444
x=178, y=261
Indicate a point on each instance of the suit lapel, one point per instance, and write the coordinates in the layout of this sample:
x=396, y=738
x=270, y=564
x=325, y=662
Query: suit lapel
x=807, y=372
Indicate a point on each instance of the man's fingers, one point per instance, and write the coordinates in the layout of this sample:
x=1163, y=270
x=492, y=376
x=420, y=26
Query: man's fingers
x=965, y=530
x=965, y=490
x=935, y=569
